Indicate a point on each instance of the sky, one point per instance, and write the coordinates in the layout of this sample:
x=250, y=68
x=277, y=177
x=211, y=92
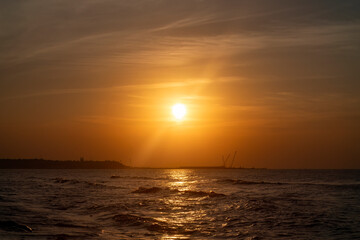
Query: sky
x=276, y=81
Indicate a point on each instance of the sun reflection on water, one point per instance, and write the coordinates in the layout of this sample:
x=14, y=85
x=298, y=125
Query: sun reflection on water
x=184, y=213
x=177, y=236
x=180, y=179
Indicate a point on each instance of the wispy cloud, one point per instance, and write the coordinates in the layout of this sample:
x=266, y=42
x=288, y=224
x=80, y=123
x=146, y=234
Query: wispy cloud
x=130, y=87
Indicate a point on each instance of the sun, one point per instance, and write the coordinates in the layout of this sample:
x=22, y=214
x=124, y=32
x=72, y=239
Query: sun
x=179, y=111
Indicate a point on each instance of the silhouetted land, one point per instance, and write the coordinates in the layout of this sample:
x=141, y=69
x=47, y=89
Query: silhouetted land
x=51, y=164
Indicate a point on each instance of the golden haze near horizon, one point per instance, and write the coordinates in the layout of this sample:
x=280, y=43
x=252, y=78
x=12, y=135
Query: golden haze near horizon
x=278, y=83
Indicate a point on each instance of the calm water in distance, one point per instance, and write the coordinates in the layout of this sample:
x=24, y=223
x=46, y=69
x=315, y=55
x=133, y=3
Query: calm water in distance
x=180, y=204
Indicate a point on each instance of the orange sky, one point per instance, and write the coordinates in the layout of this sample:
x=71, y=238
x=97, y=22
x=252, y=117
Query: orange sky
x=279, y=82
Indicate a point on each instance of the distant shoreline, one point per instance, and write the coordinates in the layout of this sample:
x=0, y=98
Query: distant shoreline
x=84, y=164
x=57, y=164
x=107, y=164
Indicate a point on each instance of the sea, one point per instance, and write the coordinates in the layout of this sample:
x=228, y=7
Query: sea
x=179, y=204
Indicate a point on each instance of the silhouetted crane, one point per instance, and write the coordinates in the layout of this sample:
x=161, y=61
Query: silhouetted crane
x=225, y=160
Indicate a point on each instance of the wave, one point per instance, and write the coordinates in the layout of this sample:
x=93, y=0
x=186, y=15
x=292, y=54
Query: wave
x=70, y=225
x=107, y=208
x=116, y=176
x=331, y=185
x=148, y=190
x=151, y=224
x=75, y=181
x=243, y=182
x=62, y=180
x=65, y=236
x=138, y=177
x=12, y=226
x=153, y=190
x=334, y=185
x=203, y=194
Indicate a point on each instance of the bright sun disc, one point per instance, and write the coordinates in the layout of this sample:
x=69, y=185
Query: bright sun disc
x=179, y=111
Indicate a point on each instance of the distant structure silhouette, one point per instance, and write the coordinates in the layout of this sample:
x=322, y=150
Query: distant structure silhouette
x=225, y=160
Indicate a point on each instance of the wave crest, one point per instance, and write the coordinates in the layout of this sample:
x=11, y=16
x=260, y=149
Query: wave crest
x=75, y=181
x=151, y=224
x=12, y=226
x=190, y=193
x=243, y=182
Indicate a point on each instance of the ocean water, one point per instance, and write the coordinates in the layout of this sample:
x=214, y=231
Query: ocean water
x=180, y=204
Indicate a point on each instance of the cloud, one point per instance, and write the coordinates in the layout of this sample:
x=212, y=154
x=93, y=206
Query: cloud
x=246, y=41
x=131, y=87
x=145, y=23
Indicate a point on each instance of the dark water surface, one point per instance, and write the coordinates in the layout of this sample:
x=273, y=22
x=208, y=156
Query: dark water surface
x=180, y=204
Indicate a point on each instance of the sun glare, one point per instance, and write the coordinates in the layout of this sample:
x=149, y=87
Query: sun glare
x=179, y=111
